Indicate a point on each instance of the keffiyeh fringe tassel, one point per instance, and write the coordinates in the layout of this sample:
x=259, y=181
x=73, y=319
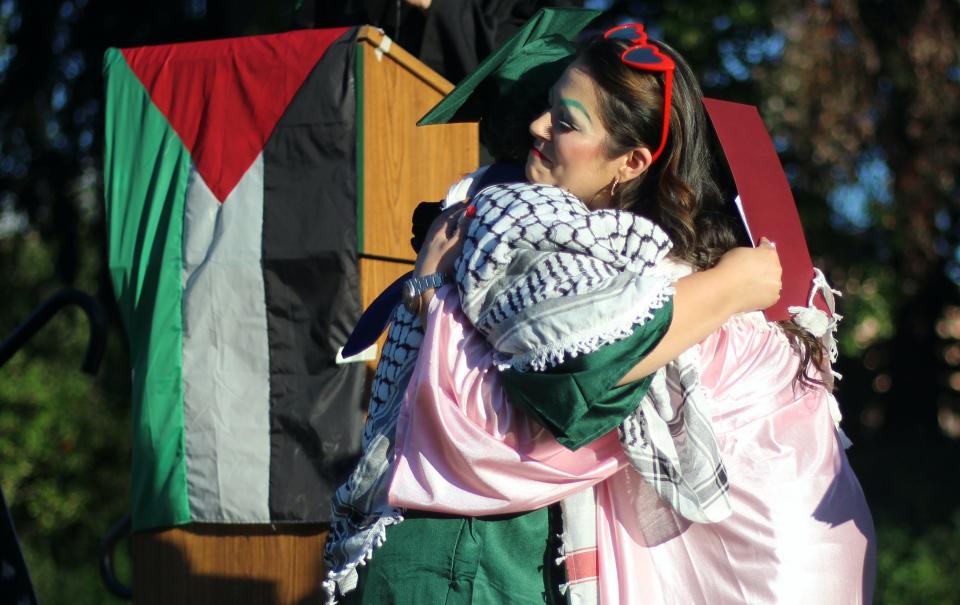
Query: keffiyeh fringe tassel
x=824, y=325
x=345, y=579
x=545, y=357
x=360, y=512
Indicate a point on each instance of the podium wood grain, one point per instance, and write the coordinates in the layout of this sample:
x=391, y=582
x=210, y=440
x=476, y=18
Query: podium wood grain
x=404, y=164
x=229, y=565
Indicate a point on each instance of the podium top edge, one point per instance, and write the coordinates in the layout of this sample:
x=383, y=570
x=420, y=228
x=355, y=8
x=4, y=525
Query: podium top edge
x=373, y=36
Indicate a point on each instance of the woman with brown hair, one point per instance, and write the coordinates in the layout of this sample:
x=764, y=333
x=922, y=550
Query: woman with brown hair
x=800, y=529
x=624, y=129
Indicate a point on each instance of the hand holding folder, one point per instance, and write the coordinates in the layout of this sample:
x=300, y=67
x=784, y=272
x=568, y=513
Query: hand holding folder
x=765, y=201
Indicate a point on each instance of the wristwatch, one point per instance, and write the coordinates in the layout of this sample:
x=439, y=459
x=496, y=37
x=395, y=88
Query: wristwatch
x=415, y=286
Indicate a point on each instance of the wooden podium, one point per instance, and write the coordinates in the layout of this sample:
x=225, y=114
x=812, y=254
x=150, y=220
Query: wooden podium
x=399, y=166
x=402, y=164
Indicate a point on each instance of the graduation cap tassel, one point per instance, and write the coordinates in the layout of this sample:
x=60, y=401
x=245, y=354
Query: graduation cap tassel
x=819, y=323
x=823, y=325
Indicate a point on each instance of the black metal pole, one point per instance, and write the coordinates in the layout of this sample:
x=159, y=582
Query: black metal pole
x=15, y=585
x=47, y=309
x=109, y=543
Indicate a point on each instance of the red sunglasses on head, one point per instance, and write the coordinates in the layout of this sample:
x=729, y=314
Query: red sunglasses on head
x=647, y=57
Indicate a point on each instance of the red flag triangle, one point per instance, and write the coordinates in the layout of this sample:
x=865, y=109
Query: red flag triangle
x=224, y=97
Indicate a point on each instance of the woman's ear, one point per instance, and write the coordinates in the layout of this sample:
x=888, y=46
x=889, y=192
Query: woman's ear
x=636, y=162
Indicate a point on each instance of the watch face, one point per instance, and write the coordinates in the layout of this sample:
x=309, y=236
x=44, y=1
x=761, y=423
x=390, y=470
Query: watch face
x=410, y=296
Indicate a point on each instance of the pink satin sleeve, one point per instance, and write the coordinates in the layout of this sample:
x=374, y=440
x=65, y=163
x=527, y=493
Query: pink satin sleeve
x=800, y=532
x=462, y=449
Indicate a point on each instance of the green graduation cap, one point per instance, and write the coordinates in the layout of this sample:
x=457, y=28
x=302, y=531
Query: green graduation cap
x=509, y=87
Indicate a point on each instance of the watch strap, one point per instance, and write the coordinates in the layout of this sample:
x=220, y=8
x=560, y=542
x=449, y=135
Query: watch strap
x=427, y=282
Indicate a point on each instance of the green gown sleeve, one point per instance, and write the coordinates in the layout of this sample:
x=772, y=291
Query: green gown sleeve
x=577, y=401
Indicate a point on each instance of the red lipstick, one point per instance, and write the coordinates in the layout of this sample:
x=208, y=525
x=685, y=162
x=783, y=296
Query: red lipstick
x=537, y=153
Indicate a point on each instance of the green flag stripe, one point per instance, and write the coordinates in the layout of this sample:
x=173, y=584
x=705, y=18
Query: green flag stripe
x=146, y=168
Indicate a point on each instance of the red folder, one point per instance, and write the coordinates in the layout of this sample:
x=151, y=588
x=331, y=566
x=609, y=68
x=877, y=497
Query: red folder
x=769, y=209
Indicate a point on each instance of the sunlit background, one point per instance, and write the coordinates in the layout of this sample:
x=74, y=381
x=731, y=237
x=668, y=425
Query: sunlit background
x=863, y=102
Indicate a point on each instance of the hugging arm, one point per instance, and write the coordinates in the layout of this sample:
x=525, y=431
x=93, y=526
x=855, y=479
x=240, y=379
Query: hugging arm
x=440, y=248
x=586, y=396
x=745, y=279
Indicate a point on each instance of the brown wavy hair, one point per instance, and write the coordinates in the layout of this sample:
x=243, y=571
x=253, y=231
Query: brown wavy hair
x=679, y=191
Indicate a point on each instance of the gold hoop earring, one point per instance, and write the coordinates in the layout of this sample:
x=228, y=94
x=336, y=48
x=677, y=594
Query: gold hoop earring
x=613, y=188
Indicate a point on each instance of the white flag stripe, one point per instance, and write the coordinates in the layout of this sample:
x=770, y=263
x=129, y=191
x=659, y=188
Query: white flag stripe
x=226, y=371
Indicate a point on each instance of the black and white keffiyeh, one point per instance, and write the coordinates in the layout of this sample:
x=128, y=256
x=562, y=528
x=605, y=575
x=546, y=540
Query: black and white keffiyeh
x=360, y=512
x=544, y=279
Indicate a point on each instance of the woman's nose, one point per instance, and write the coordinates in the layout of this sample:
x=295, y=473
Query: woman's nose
x=540, y=126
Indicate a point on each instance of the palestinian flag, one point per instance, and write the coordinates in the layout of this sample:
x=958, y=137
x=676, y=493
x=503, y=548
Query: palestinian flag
x=230, y=181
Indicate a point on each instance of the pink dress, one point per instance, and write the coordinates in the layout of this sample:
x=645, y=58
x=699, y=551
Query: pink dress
x=800, y=531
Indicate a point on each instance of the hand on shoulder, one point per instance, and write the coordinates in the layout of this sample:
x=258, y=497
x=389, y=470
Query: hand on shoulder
x=443, y=242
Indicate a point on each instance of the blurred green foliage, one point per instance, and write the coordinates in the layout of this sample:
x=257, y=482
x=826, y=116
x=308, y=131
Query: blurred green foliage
x=918, y=567
x=64, y=435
